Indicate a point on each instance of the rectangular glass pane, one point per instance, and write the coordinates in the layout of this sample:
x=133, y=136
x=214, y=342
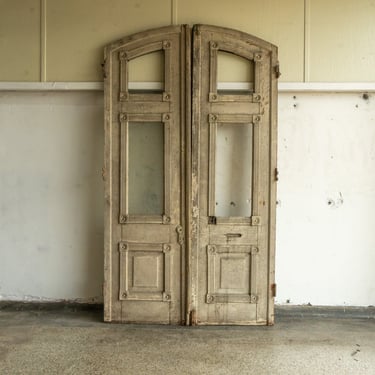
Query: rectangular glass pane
x=146, y=168
x=233, y=170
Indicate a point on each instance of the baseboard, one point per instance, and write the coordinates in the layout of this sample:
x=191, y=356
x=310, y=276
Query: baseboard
x=50, y=306
x=305, y=311
x=281, y=311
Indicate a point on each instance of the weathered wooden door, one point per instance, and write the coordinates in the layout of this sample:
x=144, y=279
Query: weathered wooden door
x=233, y=186
x=145, y=156
x=190, y=187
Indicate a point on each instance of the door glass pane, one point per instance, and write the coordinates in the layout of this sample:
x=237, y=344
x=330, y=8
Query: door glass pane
x=233, y=170
x=146, y=168
x=146, y=73
x=235, y=74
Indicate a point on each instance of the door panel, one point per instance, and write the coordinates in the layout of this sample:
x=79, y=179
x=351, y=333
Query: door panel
x=144, y=277
x=190, y=195
x=232, y=164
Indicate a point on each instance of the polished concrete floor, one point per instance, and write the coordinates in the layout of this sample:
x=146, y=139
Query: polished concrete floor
x=58, y=342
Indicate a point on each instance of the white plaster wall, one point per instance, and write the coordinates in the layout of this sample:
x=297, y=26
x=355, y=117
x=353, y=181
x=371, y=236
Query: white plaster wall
x=51, y=201
x=51, y=195
x=326, y=192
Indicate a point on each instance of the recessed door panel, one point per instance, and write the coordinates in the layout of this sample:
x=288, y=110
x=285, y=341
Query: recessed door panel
x=190, y=193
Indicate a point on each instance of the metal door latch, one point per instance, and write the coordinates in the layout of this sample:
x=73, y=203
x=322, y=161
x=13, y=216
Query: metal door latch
x=277, y=71
x=273, y=290
x=212, y=220
x=180, y=235
x=104, y=69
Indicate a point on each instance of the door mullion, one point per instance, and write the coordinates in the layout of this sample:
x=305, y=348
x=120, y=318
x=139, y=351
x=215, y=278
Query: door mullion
x=195, y=172
x=186, y=166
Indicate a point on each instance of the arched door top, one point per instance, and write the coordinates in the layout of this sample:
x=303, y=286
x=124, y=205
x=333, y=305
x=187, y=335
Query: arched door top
x=159, y=33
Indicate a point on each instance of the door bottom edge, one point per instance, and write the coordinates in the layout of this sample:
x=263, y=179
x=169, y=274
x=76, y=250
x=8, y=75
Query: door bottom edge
x=240, y=323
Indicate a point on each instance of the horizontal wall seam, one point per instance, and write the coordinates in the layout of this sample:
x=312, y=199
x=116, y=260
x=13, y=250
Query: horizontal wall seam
x=98, y=86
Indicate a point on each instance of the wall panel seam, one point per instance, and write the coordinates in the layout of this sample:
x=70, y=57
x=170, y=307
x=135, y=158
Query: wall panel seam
x=43, y=40
x=98, y=86
x=174, y=12
x=306, y=41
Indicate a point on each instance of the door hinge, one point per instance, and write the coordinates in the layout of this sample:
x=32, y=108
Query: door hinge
x=277, y=71
x=180, y=235
x=103, y=69
x=212, y=220
x=276, y=174
x=273, y=290
x=193, y=318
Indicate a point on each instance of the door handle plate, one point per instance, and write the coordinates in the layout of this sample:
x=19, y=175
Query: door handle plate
x=233, y=235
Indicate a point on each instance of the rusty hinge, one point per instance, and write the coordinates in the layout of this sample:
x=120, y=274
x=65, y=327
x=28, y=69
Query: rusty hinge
x=103, y=69
x=276, y=174
x=273, y=290
x=180, y=235
x=212, y=220
x=277, y=70
x=196, y=30
x=193, y=318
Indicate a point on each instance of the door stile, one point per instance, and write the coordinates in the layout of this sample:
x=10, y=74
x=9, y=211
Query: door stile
x=186, y=118
x=274, y=75
x=195, y=173
x=262, y=199
x=112, y=308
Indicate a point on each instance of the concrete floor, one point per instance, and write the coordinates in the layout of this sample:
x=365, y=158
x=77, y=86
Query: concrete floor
x=57, y=342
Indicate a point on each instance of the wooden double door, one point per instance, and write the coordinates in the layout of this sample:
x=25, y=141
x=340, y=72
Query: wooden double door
x=190, y=177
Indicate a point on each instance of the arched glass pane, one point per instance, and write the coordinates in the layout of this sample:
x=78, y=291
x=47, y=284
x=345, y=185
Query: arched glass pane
x=234, y=73
x=146, y=72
